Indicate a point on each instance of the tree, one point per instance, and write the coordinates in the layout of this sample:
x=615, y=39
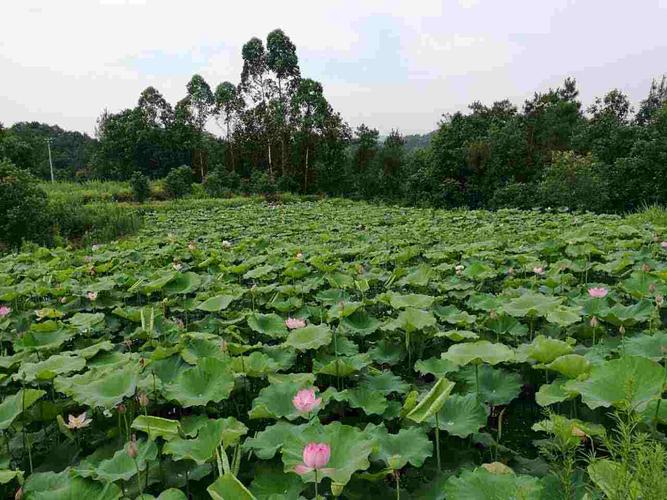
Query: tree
x=228, y=105
x=199, y=102
x=656, y=99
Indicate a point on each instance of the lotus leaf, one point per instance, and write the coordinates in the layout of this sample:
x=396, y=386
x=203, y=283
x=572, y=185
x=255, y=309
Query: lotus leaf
x=210, y=381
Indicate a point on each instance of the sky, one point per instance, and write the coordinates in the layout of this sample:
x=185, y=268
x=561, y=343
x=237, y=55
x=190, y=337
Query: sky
x=387, y=63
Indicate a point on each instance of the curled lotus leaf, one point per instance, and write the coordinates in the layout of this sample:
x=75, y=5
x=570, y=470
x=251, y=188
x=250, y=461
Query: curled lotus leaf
x=99, y=387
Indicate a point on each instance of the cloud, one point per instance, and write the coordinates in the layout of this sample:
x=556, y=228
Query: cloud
x=390, y=63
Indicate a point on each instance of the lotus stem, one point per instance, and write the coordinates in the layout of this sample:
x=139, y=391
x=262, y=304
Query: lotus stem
x=398, y=487
x=477, y=381
x=316, y=495
x=437, y=440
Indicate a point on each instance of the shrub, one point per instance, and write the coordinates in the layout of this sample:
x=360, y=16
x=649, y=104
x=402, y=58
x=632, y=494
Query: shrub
x=515, y=195
x=261, y=183
x=575, y=182
x=141, y=189
x=287, y=184
x=24, y=211
x=178, y=182
x=215, y=185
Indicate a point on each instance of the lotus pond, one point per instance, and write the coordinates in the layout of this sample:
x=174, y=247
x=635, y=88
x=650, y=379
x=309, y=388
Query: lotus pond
x=338, y=349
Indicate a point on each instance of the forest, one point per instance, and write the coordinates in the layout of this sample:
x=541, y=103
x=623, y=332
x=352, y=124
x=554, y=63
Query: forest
x=275, y=130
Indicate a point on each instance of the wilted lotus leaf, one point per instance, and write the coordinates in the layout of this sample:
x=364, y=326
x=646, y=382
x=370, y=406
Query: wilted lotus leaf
x=626, y=382
x=48, y=369
x=570, y=365
x=268, y=324
x=432, y=401
x=99, y=387
x=309, y=337
x=397, y=450
x=481, y=483
x=223, y=431
x=122, y=467
x=210, y=381
x=350, y=448
x=543, y=350
x=46, y=485
x=497, y=468
x=479, y=352
x=461, y=415
x=12, y=406
x=228, y=487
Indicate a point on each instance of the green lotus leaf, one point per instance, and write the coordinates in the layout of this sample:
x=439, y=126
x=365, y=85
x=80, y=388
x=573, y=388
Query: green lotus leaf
x=158, y=283
x=610, y=478
x=543, y=349
x=419, y=276
x=228, y=487
x=458, y=335
x=655, y=412
x=496, y=386
x=122, y=467
x=370, y=401
x=478, y=352
x=157, y=427
x=483, y=302
x=531, y=304
x=201, y=345
x=411, y=319
x=397, y=450
x=627, y=316
x=12, y=406
x=92, y=350
x=210, y=381
x=8, y=475
x=461, y=415
x=275, y=400
x=216, y=303
x=49, y=312
x=183, y=283
x=481, y=484
x=224, y=431
x=342, y=309
x=172, y=494
x=432, y=401
x=309, y=337
x=435, y=366
x=648, y=346
x=342, y=366
x=48, y=369
x=64, y=486
x=269, y=441
x=504, y=324
x=105, y=388
x=626, y=382
x=564, y=427
x=268, y=324
x=414, y=300
x=564, y=316
x=260, y=272
x=385, y=383
x=350, y=449
x=42, y=340
x=387, y=352
x=570, y=365
x=553, y=393
x=360, y=323
x=454, y=316
x=272, y=483
x=86, y=321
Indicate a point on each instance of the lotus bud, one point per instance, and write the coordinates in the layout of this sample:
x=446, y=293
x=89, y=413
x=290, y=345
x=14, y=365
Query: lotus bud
x=132, y=449
x=510, y=271
x=223, y=346
x=594, y=322
x=622, y=330
x=19, y=494
x=659, y=300
x=337, y=489
x=121, y=408
x=143, y=399
x=646, y=268
x=493, y=314
x=651, y=288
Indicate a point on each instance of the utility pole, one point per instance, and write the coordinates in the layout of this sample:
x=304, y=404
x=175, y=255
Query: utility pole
x=48, y=143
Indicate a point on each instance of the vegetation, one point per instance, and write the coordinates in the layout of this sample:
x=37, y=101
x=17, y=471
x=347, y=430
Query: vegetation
x=242, y=350
x=280, y=133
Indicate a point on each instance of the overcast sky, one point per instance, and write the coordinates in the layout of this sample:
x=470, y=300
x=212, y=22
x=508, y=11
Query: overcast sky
x=390, y=64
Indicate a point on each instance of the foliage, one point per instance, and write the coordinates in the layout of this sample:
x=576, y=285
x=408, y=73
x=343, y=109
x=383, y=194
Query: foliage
x=141, y=189
x=178, y=182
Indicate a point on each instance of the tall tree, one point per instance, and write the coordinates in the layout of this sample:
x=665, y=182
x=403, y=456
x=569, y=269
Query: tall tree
x=228, y=105
x=199, y=102
x=656, y=99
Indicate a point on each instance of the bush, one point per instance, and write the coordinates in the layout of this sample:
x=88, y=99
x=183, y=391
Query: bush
x=574, y=181
x=141, y=189
x=261, y=183
x=178, y=182
x=215, y=185
x=287, y=184
x=24, y=211
x=515, y=195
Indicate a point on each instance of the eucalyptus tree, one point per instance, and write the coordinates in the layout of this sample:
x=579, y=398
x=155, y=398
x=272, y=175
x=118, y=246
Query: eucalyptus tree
x=229, y=104
x=199, y=103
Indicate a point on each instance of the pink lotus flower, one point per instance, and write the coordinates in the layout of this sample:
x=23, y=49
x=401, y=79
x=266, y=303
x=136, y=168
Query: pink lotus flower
x=538, y=270
x=305, y=400
x=92, y=295
x=78, y=422
x=598, y=292
x=315, y=457
x=4, y=311
x=664, y=245
x=293, y=323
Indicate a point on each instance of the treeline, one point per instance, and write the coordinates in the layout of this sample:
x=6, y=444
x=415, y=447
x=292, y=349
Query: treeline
x=277, y=131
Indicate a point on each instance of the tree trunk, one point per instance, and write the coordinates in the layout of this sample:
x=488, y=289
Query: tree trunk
x=305, y=177
x=270, y=164
x=231, y=147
